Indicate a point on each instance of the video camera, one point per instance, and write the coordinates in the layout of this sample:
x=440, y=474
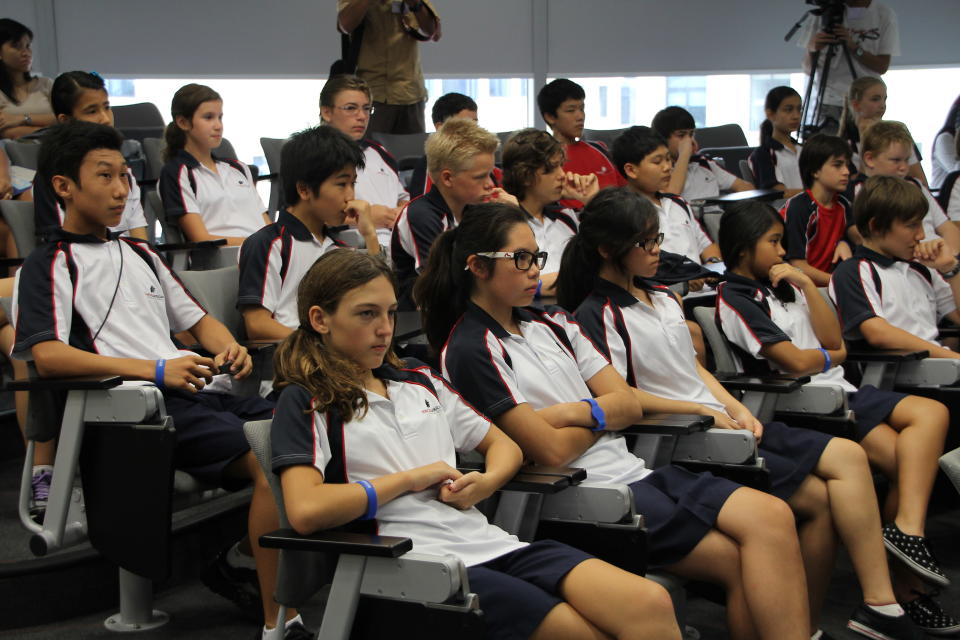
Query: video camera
x=831, y=13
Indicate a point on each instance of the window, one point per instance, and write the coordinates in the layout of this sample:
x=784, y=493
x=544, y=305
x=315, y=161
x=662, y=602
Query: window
x=498, y=87
x=689, y=92
x=503, y=104
x=760, y=85
x=626, y=105
x=466, y=86
x=603, y=102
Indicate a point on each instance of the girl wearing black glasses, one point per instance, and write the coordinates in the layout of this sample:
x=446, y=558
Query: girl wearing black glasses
x=540, y=379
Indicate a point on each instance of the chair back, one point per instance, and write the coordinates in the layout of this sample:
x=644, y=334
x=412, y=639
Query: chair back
x=606, y=136
x=731, y=157
x=725, y=135
x=272, y=148
x=402, y=145
x=723, y=355
x=153, y=150
x=19, y=216
x=170, y=230
x=216, y=290
x=139, y=121
x=23, y=154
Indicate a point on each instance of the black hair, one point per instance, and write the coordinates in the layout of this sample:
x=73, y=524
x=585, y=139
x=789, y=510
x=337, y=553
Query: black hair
x=774, y=97
x=741, y=227
x=449, y=105
x=443, y=289
x=817, y=151
x=69, y=86
x=65, y=146
x=885, y=199
x=11, y=31
x=555, y=93
x=311, y=156
x=672, y=119
x=952, y=123
x=615, y=219
x=633, y=145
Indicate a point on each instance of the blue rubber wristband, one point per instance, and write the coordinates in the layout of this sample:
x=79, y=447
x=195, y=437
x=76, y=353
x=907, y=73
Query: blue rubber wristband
x=158, y=373
x=371, y=500
x=827, y=362
x=596, y=412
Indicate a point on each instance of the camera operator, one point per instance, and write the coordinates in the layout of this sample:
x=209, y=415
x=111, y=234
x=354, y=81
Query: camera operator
x=868, y=31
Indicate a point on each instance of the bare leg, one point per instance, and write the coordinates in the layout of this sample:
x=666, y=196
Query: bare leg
x=853, y=504
x=818, y=540
x=603, y=601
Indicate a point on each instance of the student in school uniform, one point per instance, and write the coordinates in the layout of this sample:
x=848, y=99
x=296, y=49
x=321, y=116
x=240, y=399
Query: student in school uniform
x=318, y=169
x=897, y=288
x=773, y=312
x=949, y=196
x=775, y=163
x=561, y=105
x=885, y=152
x=817, y=221
x=533, y=173
x=88, y=303
x=346, y=104
x=449, y=105
x=536, y=375
x=695, y=176
x=460, y=162
x=363, y=439
x=640, y=327
x=79, y=95
x=946, y=156
x=211, y=198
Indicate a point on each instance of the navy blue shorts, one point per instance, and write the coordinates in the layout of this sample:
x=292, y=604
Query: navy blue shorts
x=210, y=430
x=791, y=455
x=679, y=508
x=871, y=406
x=519, y=589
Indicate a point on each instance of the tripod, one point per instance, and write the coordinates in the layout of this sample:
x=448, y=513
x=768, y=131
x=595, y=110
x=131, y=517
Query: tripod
x=812, y=124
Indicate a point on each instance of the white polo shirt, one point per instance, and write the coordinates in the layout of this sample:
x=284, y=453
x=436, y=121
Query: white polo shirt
x=422, y=421
x=751, y=316
x=547, y=364
x=559, y=224
x=379, y=181
x=944, y=158
x=773, y=163
x=274, y=260
x=705, y=179
x=226, y=199
x=682, y=232
x=908, y=295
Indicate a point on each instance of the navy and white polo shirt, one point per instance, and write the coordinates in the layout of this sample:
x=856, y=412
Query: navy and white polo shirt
x=48, y=215
x=949, y=196
x=422, y=421
x=705, y=178
x=751, y=316
x=65, y=288
x=417, y=226
x=226, y=200
x=908, y=295
x=773, y=163
x=682, y=232
x=378, y=181
x=274, y=260
x=547, y=364
x=812, y=230
x=648, y=344
x=554, y=232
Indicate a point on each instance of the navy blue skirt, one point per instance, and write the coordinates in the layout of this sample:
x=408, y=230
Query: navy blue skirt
x=679, y=507
x=871, y=406
x=791, y=455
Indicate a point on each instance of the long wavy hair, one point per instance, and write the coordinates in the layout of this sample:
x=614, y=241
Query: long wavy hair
x=333, y=381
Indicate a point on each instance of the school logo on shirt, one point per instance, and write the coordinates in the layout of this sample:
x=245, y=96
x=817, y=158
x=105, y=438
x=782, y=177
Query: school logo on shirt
x=154, y=293
x=430, y=409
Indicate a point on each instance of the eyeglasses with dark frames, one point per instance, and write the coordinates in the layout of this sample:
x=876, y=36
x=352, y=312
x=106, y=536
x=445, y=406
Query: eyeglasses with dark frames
x=522, y=258
x=650, y=243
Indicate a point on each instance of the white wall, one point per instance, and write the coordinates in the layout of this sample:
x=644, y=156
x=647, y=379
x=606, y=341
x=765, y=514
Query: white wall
x=297, y=38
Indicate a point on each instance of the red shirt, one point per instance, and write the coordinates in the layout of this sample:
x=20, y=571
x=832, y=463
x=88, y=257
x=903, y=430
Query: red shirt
x=590, y=157
x=812, y=230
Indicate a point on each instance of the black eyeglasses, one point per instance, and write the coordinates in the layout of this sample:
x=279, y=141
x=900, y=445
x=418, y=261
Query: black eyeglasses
x=649, y=244
x=523, y=259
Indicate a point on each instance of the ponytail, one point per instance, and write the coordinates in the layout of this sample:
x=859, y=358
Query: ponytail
x=186, y=101
x=443, y=289
x=579, y=268
x=766, y=131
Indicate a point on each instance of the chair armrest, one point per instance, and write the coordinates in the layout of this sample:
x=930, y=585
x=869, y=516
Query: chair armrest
x=358, y=544
x=740, y=196
x=670, y=424
x=85, y=383
x=886, y=355
x=266, y=176
x=11, y=262
x=191, y=246
x=945, y=332
x=538, y=479
x=771, y=384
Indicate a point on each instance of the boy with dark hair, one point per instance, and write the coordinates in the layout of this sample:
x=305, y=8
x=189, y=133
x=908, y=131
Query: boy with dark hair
x=695, y=176
x=561, y=104
x=129, y=304
x=449, y=105
x=317, y=170
x=896, y=289
x=641, y=155
x=817, y=220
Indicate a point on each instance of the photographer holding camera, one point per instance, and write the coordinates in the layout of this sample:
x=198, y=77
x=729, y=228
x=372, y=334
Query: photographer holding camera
x=866, y=29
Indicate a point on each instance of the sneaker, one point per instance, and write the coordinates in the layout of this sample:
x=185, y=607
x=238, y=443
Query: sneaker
x=914, y=552
x=294, y=631
x=871, y=624
x=927, y=614
x=40, y=493
x=239, y=586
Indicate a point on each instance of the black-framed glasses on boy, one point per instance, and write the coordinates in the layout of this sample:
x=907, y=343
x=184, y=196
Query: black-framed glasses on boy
x=352, y=109
x=649, y=244
x=523, y=259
